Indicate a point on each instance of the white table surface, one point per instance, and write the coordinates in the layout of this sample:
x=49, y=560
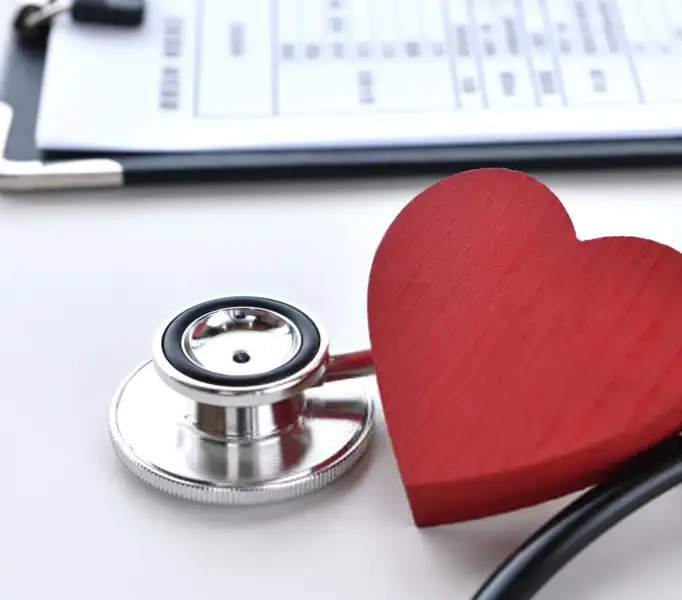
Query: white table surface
x=85, y=280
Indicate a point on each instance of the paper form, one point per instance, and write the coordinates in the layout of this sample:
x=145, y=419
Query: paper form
x=286, y=74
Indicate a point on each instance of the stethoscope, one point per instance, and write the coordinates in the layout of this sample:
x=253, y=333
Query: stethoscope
x=243, y=403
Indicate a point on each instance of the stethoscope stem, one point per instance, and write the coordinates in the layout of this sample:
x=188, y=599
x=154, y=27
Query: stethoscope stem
x=349, y=365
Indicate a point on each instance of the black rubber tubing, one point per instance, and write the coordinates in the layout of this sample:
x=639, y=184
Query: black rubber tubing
x=639, y=481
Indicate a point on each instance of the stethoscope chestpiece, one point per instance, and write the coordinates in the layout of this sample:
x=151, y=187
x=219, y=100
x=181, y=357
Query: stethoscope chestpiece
x=241, y=403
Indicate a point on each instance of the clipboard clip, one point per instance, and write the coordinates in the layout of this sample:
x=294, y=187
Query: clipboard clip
x=36, y=175
x=32, y=20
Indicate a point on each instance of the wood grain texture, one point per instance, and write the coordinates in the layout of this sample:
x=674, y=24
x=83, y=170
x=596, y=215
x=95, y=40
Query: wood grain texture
x=517, y=364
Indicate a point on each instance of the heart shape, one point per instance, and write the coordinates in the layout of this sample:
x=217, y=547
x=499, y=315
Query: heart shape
x=516, y=363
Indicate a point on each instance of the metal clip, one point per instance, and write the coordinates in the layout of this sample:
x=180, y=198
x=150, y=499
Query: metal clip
x=41, y=15
x=32, y=20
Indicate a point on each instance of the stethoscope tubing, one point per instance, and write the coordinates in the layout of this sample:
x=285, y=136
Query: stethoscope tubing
x=349, y=365
x=646, y=477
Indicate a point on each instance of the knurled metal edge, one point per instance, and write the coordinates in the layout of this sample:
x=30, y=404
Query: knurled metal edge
x=279, y=490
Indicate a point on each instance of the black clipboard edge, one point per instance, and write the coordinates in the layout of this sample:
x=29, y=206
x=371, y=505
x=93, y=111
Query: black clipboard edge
x=24, y=168
x=155, y=169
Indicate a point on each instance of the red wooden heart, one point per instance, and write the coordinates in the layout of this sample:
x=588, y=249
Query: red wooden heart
x=516, y=363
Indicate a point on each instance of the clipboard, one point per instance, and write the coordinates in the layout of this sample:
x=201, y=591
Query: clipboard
x=25, y=168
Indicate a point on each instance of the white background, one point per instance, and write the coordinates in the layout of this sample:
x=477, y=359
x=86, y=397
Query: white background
x=86, y=278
